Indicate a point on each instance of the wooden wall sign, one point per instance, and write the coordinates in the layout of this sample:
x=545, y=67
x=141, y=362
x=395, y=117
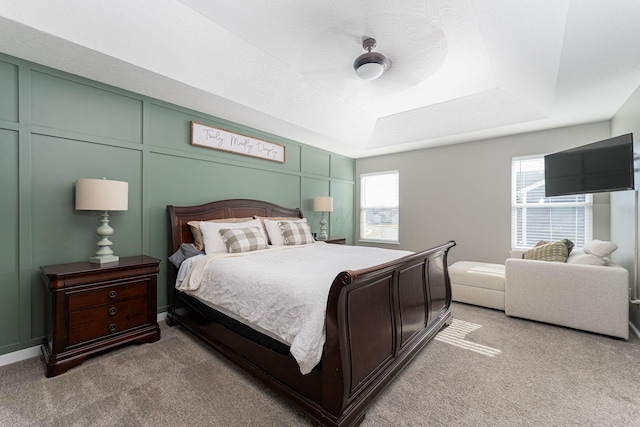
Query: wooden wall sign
x=218, y=139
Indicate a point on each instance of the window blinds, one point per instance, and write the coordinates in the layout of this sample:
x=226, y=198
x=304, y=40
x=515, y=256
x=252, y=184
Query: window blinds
x=535, y=217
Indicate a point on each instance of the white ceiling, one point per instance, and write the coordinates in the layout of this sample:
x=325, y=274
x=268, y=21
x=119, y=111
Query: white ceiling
x=462, y=70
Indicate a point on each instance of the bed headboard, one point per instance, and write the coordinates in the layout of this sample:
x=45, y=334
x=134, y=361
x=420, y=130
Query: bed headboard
x=179, y=231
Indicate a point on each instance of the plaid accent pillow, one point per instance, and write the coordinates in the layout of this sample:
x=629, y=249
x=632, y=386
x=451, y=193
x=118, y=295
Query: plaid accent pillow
x=296, y=233
x=274, y=232
x=243, y=239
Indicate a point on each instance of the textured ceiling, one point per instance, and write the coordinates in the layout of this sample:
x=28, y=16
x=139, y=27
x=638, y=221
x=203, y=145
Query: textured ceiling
x=462, y=70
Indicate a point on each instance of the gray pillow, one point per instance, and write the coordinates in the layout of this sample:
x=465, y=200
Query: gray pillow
x=187, y=250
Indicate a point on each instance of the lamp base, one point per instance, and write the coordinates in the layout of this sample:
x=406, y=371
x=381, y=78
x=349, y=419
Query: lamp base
x=104, y=254
x=322, y=234
x=104, y=259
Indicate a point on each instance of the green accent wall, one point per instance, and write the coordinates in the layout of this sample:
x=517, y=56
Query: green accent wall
x=56, y=128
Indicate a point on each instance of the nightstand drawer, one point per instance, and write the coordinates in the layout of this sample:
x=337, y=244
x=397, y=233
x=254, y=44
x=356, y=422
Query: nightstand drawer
x=96, y=322
x=107, y=294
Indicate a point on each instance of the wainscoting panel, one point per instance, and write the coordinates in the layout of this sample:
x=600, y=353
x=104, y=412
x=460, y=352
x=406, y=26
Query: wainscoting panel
x=60, y=103
x=343, y=216
x=342, y=168
x=9, y=262
x=316, y=162
x=9, y=91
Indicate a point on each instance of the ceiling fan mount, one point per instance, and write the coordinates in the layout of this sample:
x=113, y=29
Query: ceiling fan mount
x=370, y=65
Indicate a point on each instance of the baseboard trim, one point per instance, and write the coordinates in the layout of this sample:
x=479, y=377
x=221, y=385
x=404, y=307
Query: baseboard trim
x=28, y=353
x=17, y=356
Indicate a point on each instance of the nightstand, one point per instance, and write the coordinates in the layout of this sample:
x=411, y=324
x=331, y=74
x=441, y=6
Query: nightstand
x=93, y=307
x=336, y=240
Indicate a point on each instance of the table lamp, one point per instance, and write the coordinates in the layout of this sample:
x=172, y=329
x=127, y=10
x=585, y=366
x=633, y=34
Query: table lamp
x=102, y=195
x=323, y=204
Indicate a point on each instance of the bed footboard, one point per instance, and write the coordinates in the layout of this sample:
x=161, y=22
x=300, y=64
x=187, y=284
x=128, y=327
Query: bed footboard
x=377, y=321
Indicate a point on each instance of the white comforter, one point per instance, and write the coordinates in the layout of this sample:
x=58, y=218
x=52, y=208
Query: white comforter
x=283, y=289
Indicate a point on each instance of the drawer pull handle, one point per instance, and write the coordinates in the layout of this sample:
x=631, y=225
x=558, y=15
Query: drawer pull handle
x=113, y=294
x=112, y=327
x=112, y=311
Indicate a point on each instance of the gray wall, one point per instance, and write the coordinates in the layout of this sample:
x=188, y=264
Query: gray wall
x=624, y=204
x=463, y=192
x=56, y=128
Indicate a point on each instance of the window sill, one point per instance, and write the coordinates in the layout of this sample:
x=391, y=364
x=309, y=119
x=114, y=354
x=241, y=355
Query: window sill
x=386, y=242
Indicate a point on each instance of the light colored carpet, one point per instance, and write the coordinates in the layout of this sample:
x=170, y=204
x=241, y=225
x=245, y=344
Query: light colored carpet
x=487, y=370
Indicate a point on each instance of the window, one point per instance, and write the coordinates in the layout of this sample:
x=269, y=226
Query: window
x=379, y=200
x=535, y=217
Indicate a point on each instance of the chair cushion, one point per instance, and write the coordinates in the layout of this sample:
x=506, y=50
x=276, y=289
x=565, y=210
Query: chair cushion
x=478, y=274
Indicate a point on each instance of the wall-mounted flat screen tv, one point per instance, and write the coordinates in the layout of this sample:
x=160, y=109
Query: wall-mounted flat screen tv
x=601, y=166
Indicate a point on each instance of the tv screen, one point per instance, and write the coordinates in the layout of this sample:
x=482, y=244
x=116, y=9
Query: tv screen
x=602, y=166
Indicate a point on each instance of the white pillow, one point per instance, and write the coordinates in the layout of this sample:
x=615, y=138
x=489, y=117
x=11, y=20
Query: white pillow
x=579, y=257
x=275, y=232
x=213, y=242
x=600, y=248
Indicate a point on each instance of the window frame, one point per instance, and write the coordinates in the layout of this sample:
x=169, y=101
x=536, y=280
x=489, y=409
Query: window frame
x=364, y=208
x=515, y=205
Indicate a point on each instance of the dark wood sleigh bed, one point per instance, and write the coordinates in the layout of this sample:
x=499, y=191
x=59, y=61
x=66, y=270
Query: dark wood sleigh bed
x=377, y=320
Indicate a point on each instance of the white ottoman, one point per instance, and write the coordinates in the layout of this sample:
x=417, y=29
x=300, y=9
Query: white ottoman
x=478, y=283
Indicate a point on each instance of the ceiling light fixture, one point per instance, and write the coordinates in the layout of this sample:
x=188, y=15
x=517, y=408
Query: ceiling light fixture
x=370, y=65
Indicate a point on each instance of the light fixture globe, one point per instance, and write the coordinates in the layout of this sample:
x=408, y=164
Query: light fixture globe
x=370, y=65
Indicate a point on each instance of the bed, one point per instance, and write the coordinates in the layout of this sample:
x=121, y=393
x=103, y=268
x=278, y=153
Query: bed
x=377, y=319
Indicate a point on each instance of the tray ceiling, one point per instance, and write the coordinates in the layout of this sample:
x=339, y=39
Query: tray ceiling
x=461, y=70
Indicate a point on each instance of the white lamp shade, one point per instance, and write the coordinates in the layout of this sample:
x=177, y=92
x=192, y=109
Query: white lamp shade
x=101, y=195
x=323, y=204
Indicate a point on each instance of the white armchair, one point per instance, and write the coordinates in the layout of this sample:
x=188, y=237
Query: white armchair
x=587, y=297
